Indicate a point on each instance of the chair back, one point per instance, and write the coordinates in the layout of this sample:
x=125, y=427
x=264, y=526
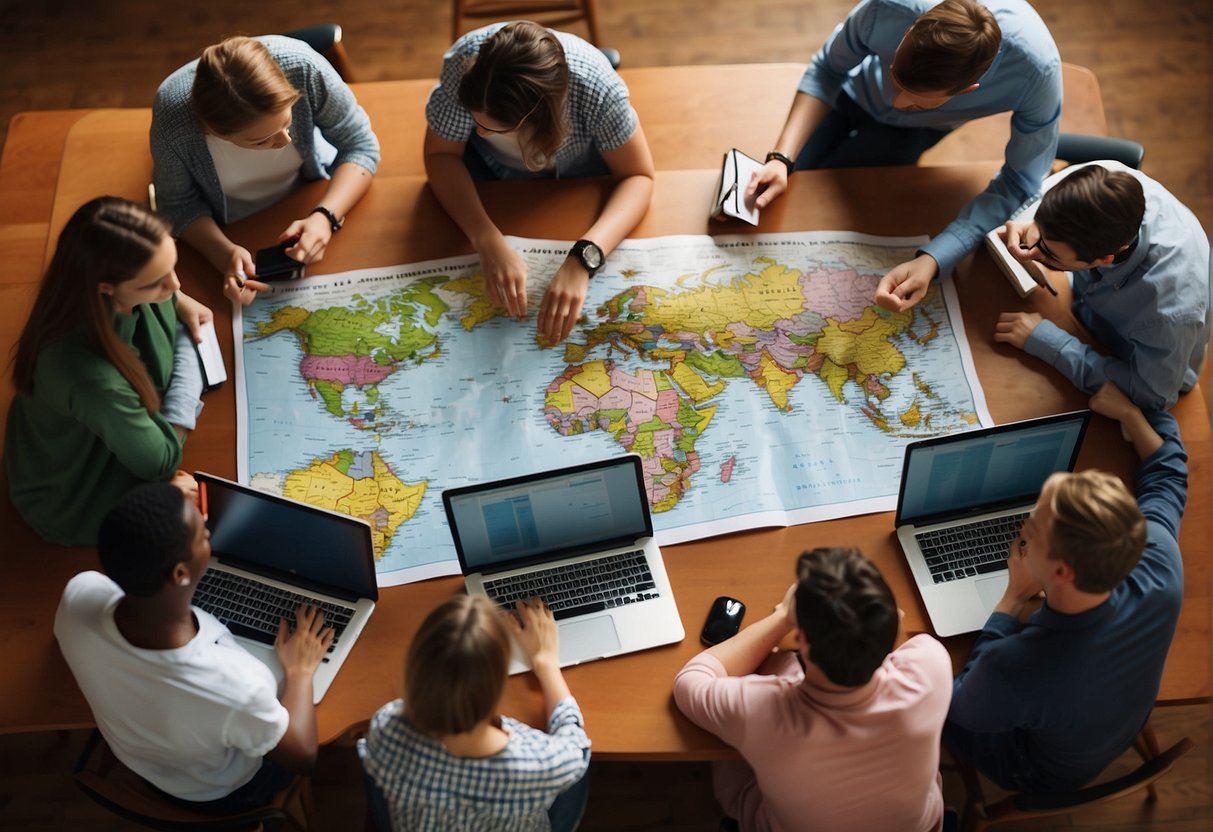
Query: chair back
x=325, y=38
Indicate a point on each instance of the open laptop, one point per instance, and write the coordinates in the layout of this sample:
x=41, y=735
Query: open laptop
x=582, y=539
x=269, y=555
x=963, y=500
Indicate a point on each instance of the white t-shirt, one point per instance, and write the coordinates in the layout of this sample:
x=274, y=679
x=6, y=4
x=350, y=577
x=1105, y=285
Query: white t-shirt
x=253, y=179
x=194, y=721
x=508, y=148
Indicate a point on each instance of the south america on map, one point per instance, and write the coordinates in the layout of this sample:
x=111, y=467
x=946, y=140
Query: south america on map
x=753, y=375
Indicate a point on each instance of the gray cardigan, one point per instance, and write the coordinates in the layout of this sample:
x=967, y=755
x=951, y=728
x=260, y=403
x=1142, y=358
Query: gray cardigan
x=187, y=186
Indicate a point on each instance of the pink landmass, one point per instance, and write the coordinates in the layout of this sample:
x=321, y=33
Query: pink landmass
x=838, y=293
x=726, y=469
x=344, y=369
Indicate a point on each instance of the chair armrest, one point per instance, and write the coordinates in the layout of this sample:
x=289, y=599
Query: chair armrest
x=1080, y=147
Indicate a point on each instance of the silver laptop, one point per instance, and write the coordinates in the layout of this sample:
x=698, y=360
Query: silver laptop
x=963, y=500
x=269, y=555
x=582, y=539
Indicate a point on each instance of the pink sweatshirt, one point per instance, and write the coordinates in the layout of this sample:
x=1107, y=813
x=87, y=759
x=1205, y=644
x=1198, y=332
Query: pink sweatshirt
x=861, y=760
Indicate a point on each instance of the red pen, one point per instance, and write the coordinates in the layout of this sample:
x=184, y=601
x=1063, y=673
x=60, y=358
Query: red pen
x=202, y=498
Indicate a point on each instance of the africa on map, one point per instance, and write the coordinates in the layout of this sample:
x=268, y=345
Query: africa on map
x=752, y=374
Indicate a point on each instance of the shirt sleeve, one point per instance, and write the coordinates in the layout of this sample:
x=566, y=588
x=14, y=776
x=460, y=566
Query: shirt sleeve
x=444, y=114
x=178, y=196
x=712, y=699
x=256, y=726
x=568, y=746
x=984, y=697
x=342, y=121
x=609, y=116
x=845, y=49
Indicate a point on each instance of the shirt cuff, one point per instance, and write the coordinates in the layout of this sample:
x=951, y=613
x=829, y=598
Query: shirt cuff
x=1046, y=341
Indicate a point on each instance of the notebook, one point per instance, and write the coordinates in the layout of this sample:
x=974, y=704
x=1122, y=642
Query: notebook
x=269, y=555
x=582, y=539
x=735, y=174
x=962, y=501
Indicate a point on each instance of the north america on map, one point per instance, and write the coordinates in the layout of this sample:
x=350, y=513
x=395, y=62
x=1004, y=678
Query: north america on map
x=753, y=375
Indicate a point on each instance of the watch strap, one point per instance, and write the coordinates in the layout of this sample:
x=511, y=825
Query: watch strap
x=788, y=163
x=334, y=223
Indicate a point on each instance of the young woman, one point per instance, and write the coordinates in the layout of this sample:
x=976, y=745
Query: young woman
x=444, y=759
x=107, y=379
x=236, y=130
x=517, y=100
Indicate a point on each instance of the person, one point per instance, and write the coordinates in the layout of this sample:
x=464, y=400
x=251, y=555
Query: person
x=1047, y=703
x=108, y=380
x=236, y=130
x=842, y=733
x=519, y=101
x=894, y=78
x=179, y=702
x=443, y=758
x=1140, y=261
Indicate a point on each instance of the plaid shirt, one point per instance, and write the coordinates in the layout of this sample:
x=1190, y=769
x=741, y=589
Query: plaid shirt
x=598, y=113
x=428, y=788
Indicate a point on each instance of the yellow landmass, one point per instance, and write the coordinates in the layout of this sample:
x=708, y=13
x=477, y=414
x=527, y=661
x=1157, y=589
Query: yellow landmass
x=694, y=385
x=777, y=381
x=911, y=417
x=320, y=484
x=288, y=317
x=561, y=398
x=594, y=378
x=865, y=343
x=834, y=377
x=759, y=301
x=480, y=309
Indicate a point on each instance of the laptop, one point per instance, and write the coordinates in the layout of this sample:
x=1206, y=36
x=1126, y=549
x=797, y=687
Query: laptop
x=582, y=539
x=269, y=555
x=962, y=502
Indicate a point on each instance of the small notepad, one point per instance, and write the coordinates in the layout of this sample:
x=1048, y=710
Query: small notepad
x=213, y=371
x=730, y=199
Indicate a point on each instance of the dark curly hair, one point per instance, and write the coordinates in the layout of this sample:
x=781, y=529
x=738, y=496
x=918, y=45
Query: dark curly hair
x=143, y=537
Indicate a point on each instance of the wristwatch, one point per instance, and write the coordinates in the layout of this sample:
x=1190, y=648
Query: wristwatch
x=589, y=255
x=334, y=223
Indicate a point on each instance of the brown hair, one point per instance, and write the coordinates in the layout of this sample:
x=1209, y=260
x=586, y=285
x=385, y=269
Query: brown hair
x=1094, y=210
x=947, y=48
x=237, y=81
x=107, y=240
x=456, y=666
x=520, y=77
x=1097, y=528
x=847, y=613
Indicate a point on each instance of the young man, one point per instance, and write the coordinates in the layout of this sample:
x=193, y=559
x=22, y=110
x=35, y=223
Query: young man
x=1047, y=704
x=178, y=700
x=894, y=78
x=842, y=734
x=1140, y=261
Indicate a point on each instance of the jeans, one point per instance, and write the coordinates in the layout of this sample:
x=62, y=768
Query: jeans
x=848, y=137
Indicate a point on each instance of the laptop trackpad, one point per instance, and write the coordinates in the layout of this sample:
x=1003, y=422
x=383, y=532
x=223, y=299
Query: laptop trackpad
x=590, y=638
x=990, y=591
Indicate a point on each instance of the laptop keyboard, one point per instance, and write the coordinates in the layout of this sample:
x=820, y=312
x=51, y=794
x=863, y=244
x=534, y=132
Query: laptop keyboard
x=580, y=588
x=252, y=609
x=973, y=549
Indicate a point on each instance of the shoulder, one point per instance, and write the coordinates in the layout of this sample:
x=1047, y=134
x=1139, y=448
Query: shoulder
x=72, y=362
x=1025, y=36
x=90, y=586
x=924, y=657
x=84, y=597
x=467, y=45
x=290, y=54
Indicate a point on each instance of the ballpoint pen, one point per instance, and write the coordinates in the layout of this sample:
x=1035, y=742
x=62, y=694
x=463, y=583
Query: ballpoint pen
x=1034, y=272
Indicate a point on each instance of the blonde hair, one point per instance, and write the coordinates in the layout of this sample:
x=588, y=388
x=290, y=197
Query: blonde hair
x=237, y=81
x=1097, y=528
x=456, y=666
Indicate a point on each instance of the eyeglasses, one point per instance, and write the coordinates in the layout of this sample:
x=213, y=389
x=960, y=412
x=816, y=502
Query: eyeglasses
x=1050, y=255
x=517, y=126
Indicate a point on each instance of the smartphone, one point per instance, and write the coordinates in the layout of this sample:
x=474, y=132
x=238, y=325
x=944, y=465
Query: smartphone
x=274, y=263
x=724, y=620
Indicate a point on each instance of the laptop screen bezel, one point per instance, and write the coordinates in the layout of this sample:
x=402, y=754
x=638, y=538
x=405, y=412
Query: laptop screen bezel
x=1084, y=416
x=562, y=553
x=363, y=583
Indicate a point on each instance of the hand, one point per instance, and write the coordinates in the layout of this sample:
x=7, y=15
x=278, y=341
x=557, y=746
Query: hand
x=301, y=651
x=504, y=276
x=241, y=289
x=536, y=634
x=787, y=605
x=1020, y=238
x=1110, y=401
x=1014, y=327
x=188, y=485
x=1021, y=585
x=906, y=284
x=311, y=235
x=193, y=314
x=561, y=306
x=768, y=184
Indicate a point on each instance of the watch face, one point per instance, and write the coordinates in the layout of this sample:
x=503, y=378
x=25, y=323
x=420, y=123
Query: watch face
x=591, y=256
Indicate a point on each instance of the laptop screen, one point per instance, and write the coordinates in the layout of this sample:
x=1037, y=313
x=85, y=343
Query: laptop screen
x=986, y=470
x=549, y=515
x=293, y=542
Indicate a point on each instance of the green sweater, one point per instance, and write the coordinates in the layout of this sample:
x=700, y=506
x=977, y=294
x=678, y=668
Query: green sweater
x=83, y=439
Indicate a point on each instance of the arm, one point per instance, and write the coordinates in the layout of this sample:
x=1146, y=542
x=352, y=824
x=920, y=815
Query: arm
x=229, y=259
x=1111, y=402
x=806, y=114
x=146, y=444
x=300, y=654
x=744, y=652
x=632, y=166
x=349, y=184
x=535, y=631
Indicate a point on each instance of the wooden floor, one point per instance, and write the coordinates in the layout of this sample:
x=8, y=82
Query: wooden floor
x=1152, y=58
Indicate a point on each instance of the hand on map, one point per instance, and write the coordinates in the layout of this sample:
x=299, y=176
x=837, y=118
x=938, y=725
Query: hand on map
x=907, y=283
x=1014, y=327
x=768, y=183
x=562, y=302
x=504, y=275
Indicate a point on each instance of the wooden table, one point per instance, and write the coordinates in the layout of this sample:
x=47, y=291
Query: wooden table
x=626, y=700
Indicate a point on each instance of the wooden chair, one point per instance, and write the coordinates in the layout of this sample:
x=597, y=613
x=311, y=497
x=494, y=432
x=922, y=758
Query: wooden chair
x=547, y=12
x=102, y=777
x=979, y=815
x=326, y=39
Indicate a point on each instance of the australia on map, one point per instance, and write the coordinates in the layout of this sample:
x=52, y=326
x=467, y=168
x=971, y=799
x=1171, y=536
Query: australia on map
x=753, y=375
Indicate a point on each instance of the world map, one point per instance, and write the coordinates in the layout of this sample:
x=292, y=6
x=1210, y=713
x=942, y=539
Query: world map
x=752, y=375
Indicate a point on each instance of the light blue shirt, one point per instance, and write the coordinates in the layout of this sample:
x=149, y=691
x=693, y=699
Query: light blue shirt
x=1025, y=79
x=1150, y=311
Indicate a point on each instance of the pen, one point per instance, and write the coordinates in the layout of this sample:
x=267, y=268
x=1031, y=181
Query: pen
x=1034, y=272
x=202, y=499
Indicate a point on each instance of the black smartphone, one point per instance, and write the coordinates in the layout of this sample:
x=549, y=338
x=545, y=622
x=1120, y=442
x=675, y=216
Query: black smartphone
x=274, y=263
x=724, y=620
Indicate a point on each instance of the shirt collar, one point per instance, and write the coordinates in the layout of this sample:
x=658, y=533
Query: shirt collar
x=1126, y=264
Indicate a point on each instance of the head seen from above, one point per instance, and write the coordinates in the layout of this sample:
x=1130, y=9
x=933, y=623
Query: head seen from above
x=152, y=539
x=519, y=82
x=1089, y=217
x=241, y=95
x=846, y=612
x=456, y=667
x=943, y=54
